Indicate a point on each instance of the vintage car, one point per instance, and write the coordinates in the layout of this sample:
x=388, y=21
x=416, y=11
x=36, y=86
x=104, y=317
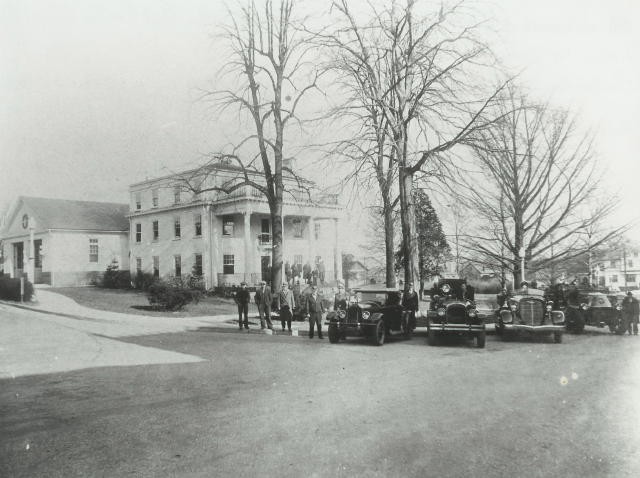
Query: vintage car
x=453, y=312
x=371, y=313
x=529, y=312
x=595, y=309
x=587, y=307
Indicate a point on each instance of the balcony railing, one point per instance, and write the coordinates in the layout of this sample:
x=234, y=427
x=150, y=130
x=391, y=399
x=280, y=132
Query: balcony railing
x=298, y=196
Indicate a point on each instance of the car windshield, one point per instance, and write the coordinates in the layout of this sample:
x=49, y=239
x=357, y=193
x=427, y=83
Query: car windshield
x=599, y=300
x=370, y=296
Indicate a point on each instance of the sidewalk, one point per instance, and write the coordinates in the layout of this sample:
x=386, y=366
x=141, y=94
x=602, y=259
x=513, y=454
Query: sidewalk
x=114, y=324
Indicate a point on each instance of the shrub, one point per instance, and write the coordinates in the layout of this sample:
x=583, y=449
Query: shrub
x=114, y=278
x=10, y=289
x=172, y=294
x=143, y=280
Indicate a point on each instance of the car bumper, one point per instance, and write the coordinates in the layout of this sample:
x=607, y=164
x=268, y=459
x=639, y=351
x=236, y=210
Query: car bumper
x=534, y=329
x=456, y=327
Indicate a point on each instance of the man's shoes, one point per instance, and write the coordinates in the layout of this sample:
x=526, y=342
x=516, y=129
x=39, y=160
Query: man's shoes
x=311, y=336
x=246, y=327
x=320, y=336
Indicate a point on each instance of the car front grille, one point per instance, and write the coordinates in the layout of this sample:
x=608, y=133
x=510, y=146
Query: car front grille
x=531, y=312
x=457, y=314
x=352, y=315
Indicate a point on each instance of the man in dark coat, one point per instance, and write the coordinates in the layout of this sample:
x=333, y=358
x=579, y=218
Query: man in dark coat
x=314, y=309
x=263, y=299
x=306, y=272
x=630, y=313
x=410, y=302
x=242, y=299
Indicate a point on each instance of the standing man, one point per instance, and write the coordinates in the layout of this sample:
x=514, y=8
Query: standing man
x=341, y=298
x=286, y=304
x=410, y=303
x=630, y=312
x=314, y=310
x=321, y=271
x=287, y=272
x=263, y=300
x=306, y=272
x=243, y=298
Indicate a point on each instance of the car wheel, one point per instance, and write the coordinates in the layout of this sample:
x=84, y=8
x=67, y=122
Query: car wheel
x=557, y=337
x=379, y=333
x=432, y=338
x=334, y=335
x=481, y=338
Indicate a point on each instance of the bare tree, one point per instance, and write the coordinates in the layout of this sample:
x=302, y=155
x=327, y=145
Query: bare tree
x=537, y=191
x=417, y=70
x=367, y=149
x=271, y=76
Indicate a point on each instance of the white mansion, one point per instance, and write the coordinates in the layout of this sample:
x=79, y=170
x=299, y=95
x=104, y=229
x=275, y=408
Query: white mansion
x=173, y=231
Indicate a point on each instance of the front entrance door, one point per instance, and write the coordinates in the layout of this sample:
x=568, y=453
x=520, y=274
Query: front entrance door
x=18, y=259
x=265, y=268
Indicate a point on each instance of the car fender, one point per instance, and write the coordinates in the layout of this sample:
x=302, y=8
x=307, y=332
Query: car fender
x=373, y=318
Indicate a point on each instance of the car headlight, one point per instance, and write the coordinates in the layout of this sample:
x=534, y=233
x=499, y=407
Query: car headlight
x=365, y=315
x=441, y=312
x=584, y=306
x=618, y=307
x=342, y=313
x=513, y=307
x=472, y=313
x=446, y=288
x=549, y=307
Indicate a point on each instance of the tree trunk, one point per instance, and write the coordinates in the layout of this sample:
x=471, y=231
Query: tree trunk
x=276, y=242
x=408, y=217
x=390, y=277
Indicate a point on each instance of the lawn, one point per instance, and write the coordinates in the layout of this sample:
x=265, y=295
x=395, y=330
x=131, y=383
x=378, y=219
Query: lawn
x=135, y=302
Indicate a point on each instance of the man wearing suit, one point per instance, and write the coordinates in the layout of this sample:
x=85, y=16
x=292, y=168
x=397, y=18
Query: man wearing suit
x=314, y=310
x=263, y=301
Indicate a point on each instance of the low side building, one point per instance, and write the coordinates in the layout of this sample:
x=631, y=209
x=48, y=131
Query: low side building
x=64, y=242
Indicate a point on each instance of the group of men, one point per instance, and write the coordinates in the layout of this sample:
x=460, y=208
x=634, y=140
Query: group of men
x=285, y=302
x=306, y=273
x=310, y=305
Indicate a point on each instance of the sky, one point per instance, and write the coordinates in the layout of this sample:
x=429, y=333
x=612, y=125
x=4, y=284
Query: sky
x=97, y=95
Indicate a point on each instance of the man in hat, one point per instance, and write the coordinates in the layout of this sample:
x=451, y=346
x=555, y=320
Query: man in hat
x=242, y=299
x=263, y=300
x=630, y=313
x=286, y=304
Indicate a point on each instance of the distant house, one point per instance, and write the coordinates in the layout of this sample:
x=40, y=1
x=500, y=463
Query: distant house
x=64, y=242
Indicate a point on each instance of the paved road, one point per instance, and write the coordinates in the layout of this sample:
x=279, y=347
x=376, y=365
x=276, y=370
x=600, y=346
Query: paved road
x=209, y=403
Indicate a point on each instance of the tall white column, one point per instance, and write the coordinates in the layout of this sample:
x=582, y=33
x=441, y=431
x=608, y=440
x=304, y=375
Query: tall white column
x=248, y=250
x=312, y=241
x=337, y=251
x=212, y=255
